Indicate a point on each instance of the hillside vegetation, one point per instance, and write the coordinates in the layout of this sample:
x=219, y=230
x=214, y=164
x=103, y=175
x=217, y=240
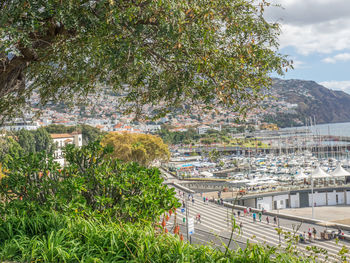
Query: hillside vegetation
x=313, y=100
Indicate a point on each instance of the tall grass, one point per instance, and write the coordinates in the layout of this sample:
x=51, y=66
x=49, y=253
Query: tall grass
x=51, y=237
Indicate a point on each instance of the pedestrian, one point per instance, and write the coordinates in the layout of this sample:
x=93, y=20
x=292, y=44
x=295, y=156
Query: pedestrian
x=241, y=227
x=249, y=210
x=254, y=217
x=304, y=236
x=260, y=215
x=206, y=200
x=267, y=220
x=309, y=234
x=192, y=200
x=275, y=220
x=183, y=204
x=239, y=213
x=314, y=232
x=199, y=218
x=245, y=211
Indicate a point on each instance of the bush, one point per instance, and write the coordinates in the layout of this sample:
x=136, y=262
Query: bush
x=92, y=182
x=42, y=236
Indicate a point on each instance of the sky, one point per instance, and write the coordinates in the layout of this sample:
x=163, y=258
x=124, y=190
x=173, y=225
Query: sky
x=316, y=36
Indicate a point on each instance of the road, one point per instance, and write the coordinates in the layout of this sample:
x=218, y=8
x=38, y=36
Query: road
x=216, y=226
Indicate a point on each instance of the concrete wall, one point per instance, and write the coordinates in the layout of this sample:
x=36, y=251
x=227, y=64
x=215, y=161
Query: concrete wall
x=281, y=201
x=294, y=201
x=264, y=202
x=250, y=203
x=304, y=199
x=331, y=199
x=348, y=197
x=319, y=199
x=341, y=198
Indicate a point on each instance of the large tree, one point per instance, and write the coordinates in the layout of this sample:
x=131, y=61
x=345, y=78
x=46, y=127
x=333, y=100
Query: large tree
x=133, y=147
x=158, y=52
x=26, y=140
x=9, y=149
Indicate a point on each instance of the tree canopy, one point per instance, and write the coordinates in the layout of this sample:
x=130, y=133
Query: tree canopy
x=152, y=52
x=141, y=148
x=35, y=141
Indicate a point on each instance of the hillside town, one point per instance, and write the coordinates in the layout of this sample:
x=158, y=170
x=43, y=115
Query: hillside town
x=105, y=113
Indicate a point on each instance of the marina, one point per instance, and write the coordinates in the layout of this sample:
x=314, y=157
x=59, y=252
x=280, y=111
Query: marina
x=301, y=168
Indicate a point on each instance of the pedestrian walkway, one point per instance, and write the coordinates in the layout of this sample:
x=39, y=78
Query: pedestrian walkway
x=218, y=219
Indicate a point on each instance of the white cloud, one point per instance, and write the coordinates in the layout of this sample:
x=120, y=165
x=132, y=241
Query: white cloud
x=340, y=57
x=337, y=85
x=313, y=26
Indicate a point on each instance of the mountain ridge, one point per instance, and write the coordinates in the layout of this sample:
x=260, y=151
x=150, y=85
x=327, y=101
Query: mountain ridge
x=313, y=100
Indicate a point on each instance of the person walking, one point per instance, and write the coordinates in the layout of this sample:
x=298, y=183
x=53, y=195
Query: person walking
x=254, y=217
x=199, y=218
x=260, y=215
x=239, y=213
x=206, y=200
x=267, y=220
x=275, y=220
x=245, y=211
x=241, y=227
x=309, y=234
x=192, y=201
x=314, y=232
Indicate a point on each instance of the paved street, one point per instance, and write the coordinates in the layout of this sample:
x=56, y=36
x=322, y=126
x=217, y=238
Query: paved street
x=215, y=226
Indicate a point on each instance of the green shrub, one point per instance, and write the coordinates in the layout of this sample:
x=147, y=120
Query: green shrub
x=43, y=236
x=92, y=182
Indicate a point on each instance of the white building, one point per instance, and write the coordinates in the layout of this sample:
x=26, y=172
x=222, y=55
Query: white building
x=204, y=129
x=19, y=124
x=61, y=140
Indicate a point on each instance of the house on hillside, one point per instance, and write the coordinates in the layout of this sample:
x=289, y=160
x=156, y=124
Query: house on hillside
x=63, y=139
x=20, y=124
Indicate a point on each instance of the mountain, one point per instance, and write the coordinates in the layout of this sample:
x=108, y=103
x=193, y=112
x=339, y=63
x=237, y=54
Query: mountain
x=310, y=100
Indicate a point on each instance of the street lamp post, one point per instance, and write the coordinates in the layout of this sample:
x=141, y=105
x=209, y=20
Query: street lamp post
x=279, y=236
x=187, y=213
x=312, y=197
x=228, y=224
